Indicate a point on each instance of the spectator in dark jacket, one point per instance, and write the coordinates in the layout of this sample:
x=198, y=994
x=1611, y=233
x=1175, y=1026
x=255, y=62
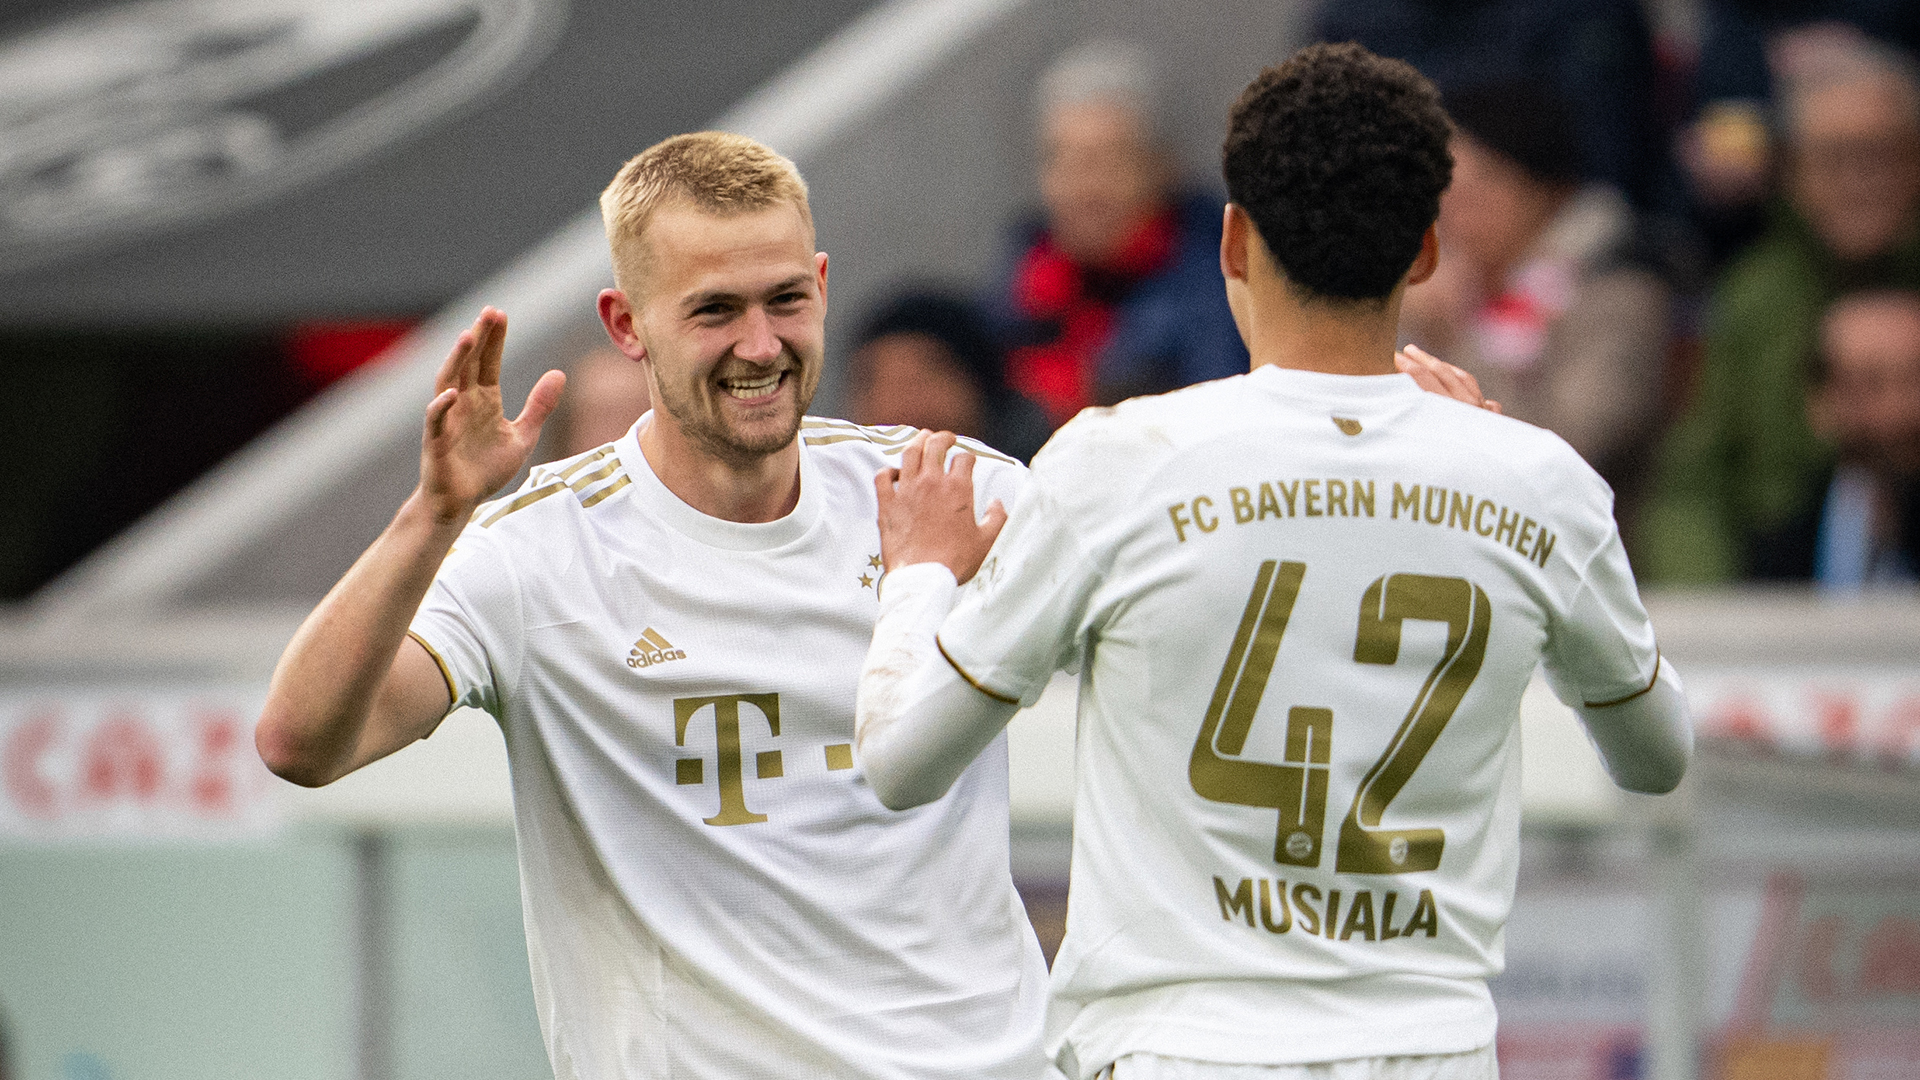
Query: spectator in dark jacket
x=1740, y=462
x=1861, y=525
x=1115, y=289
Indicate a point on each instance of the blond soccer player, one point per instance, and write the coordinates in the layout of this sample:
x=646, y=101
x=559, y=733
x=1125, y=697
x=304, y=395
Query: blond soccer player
x=1304, y=604
x=669, y=630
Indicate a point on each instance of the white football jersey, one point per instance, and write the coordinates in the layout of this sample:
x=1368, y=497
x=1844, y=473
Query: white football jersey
x=1304, y=608
x=711, y=888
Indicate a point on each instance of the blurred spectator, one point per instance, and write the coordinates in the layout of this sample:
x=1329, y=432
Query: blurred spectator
x=1746, y=45
x=1116, y=290
x=606, y=393
x=1598, y=53
x=1861, y=525
x=1543, y=291
x=1743, y=460
x=928, y=359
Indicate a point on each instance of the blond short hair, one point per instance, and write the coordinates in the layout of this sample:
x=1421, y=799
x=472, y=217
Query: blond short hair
x=716, y=171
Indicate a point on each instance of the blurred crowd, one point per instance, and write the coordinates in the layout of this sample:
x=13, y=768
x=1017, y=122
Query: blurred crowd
x=1695, y=257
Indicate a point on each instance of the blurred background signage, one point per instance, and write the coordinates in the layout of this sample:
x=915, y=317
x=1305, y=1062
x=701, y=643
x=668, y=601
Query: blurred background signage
x=140, y=114
x=149, y=763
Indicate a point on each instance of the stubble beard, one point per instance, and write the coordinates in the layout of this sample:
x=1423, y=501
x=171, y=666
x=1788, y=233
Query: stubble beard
x=735, y=449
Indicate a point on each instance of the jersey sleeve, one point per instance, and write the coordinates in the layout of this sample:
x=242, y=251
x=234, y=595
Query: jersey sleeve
x=470, y=621
x=1601, y=649
x=1020, y=618
x=995, y=476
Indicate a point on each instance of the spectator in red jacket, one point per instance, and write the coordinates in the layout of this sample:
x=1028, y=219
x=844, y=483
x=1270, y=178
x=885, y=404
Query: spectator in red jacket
x=1114, y=289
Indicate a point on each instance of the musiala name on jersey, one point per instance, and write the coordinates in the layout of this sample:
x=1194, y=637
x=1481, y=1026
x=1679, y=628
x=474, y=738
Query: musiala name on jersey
x=1269, y=905
x=1418, y=504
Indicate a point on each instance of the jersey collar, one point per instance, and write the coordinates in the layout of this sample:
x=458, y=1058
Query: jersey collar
x=1321, y=384
x=662, y=505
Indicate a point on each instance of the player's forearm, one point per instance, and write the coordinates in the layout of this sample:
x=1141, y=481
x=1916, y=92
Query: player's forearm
x=918, y=725
x=1647, y=741
x=333, y=671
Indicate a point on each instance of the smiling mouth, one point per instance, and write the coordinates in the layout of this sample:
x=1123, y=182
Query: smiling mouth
x=752, y=389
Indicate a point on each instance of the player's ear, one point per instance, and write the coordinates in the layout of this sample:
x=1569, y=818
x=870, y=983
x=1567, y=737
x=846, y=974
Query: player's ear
x=820, y=268
x=1233, y=268
x=616, y=316
x=1428, y=260
x=1235, y=230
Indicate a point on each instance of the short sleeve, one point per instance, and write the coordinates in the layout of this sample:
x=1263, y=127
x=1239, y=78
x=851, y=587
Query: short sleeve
x=1018, y=620
x=470, y=621
x=1601, y=649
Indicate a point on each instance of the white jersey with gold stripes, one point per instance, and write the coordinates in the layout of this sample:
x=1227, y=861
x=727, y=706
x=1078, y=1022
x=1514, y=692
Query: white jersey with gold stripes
x=1304, y=608
x=711, y=888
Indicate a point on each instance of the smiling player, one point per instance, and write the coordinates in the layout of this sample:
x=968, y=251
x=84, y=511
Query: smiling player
x=669, y=630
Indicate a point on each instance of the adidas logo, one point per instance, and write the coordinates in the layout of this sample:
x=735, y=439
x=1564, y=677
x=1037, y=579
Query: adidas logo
x=653, y=649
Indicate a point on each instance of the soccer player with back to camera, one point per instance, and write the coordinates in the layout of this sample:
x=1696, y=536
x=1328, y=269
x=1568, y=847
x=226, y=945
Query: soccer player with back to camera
x=1304, y=604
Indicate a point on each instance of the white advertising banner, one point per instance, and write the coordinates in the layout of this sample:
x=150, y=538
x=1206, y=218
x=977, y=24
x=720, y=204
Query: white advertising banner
x=159, y=762
x=1868, y=715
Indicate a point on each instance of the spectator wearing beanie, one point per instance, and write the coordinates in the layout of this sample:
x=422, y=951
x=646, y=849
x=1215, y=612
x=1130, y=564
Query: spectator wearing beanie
x=1543, y=290
x=927, y=359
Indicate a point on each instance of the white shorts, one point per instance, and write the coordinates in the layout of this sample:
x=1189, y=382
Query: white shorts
x=1473, y=1065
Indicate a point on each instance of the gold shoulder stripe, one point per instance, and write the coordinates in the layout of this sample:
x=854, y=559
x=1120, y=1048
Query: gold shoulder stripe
x=832, y=422
x=980, y=449
x=446, y=673
x=585, y=481
x=971, y=446
x=886, y=433
x=596, y=498
x=971, y=681
x=568, y=472
x=1657, y=658
x=826, y=440
x=525, y=501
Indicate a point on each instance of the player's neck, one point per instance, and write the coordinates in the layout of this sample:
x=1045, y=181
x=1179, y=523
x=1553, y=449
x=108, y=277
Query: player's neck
x=1338, y=339
x=762, y=489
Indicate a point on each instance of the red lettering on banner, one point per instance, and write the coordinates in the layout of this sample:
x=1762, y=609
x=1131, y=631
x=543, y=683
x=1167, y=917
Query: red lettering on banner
x=1839, y=720
x=26, y=785
x=212, y=786
x=121, y=755
x=1890, y=957
x=1739, y=718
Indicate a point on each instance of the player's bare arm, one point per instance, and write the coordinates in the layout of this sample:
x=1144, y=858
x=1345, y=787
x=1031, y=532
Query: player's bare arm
x=352, y=687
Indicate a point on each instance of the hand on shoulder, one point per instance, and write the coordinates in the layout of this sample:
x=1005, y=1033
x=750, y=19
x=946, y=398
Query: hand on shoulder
x=926, y=509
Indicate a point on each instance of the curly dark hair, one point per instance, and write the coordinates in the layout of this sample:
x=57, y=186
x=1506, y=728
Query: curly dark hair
x=1339, y=157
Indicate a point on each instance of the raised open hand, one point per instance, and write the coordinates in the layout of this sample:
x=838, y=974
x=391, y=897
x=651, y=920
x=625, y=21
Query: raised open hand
x=469, y=448
x=926, y=509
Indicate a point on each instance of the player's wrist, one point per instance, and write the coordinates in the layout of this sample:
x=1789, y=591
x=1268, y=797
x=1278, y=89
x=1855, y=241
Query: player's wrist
x=438, y=514
x=916, y=578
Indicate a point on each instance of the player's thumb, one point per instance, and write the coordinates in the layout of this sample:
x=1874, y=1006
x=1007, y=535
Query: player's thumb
x=993, y=522
x=541, y=401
